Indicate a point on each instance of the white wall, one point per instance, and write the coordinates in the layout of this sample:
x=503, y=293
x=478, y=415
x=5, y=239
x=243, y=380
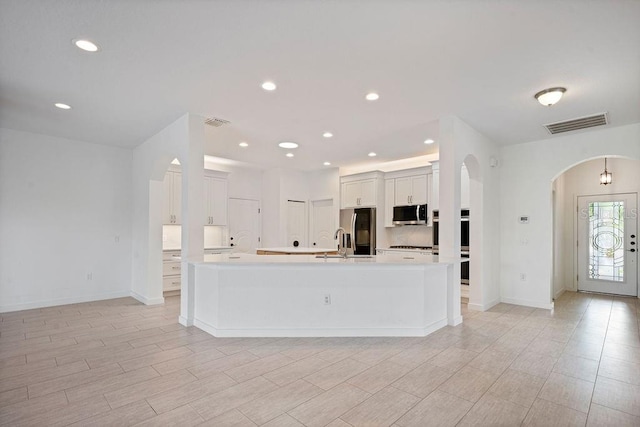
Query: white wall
x=461, y=143
x=65, y=213
x=583, y=180
x=182, y=139
x=527, y=173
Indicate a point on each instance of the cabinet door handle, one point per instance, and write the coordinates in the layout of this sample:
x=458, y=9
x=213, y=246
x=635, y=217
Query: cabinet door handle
x=175, y=283
x=175, y=268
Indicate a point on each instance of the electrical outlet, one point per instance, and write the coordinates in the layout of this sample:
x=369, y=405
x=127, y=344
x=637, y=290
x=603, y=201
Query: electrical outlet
x=327, y=299
x=89, y=276
x=523, y=277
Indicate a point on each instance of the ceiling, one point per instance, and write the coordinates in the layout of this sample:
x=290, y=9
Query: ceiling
x=479, y=60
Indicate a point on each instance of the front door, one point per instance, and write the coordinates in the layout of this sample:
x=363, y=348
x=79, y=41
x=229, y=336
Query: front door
x=607, y=244
x=244, y=225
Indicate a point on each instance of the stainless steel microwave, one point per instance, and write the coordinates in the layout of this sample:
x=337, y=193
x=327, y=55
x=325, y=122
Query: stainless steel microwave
x=410, y=215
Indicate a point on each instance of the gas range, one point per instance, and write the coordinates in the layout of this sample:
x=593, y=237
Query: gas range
x=410, y=247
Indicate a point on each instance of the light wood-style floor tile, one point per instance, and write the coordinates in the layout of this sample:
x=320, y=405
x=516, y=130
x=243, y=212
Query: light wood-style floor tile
x=148, y=388
x=493, y=411
x=438, y=409
x=620, y=370
x=469, y=383
x=423, y=380
x=279, y=401
x=231, y=398
x=548, y=414
x=190, y=392
x=381, y=409
x=127, y=415
x=617, y=395
x=183, y=416
x=534, y=364
x=233, y=418
x=261, y=366
x=110, y=384
x=284, y=420
x=517, y=387
x=222, y=364
x=601, y=416
x=453, y=358
x=296, y=370
x=577, y=367
x=568, y=391
x=328, y=406
x=379, y=376
x=337, y=373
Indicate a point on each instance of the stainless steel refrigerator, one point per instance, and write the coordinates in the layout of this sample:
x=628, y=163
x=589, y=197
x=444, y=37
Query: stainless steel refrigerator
x=360, y=227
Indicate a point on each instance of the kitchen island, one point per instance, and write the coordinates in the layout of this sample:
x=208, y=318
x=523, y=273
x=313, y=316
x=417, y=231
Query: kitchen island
x=244, y=295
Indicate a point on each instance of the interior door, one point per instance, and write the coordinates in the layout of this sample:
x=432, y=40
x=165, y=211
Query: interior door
x=296, y=223
x=244, y=225
x=322, y=224
x=607, y=244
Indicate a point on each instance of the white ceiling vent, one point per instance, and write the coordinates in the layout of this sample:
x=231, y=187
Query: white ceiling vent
x=215, y=122
x=599, y=119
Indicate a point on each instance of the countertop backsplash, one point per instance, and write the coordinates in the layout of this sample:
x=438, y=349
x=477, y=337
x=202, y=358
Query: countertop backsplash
x=411, y=235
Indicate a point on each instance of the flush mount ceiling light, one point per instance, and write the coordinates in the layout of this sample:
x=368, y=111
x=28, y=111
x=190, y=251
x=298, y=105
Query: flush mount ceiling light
x=327, y=134
x=62, y=106
x=372, y=96
x=327, y=163
x=288, y=145
x=243, y=144
x=372, y=154
x=86, y=45
x=289, y=154
x=429, y=141
x=269, y=86
x=548, y=97
x=606, y=177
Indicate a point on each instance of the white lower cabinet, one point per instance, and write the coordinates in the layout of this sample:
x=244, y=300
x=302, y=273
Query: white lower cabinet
x=171, y=274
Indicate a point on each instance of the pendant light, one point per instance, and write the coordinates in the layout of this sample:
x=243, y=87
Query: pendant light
x=606, y=177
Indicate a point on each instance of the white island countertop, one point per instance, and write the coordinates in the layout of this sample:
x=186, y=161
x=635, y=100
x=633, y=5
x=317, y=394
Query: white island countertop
x=297, y=250
x=391, y=259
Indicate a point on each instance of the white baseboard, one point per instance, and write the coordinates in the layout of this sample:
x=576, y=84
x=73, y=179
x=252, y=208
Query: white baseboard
x=62, y=301
x=560, y=292
x=528, y=303
x=483, y=307
x=321, y=332
x=185, y=322
x=145, y=300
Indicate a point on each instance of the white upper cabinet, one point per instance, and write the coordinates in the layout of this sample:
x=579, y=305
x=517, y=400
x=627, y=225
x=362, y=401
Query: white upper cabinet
x=172, y=198
x=215, y=198
x=358, y=193
x=411, y=190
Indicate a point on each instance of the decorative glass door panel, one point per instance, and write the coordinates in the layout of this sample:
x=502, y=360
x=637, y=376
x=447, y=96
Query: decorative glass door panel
x=607, y=250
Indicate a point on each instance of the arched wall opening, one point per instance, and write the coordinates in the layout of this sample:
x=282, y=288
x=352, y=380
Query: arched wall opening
x=581, y=181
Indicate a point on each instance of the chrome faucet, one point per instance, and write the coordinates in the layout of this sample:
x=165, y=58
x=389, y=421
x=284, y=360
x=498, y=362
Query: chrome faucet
x=342, y=249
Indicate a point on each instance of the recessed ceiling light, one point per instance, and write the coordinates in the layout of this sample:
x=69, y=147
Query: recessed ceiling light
x=548, y=97
x=289, y=154
x=327, y=134
x=243, y=144
x=372, y=96
x=287, y=144
x=327, y=163
x=372, y=154
x=269, y=86
x=429, y=141
x=62, y=106
x=86, y=45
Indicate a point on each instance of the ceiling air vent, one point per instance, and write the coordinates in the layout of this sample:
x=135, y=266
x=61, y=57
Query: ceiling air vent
x=577, y=124
x=215, y=122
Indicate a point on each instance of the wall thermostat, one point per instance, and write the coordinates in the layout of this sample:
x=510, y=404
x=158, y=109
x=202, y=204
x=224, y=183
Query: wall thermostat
x=524, y=220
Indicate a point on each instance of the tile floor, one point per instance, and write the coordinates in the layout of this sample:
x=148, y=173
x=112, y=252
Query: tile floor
x=120, y=363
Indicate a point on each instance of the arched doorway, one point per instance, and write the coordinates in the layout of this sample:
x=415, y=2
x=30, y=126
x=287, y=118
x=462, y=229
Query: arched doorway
x=593, y=225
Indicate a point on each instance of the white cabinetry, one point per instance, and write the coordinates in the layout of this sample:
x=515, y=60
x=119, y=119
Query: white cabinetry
x=359, y=193
x=172, y=198
x=215, y=198
x=171, y=266
x=411, y=190
x=406, y=187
